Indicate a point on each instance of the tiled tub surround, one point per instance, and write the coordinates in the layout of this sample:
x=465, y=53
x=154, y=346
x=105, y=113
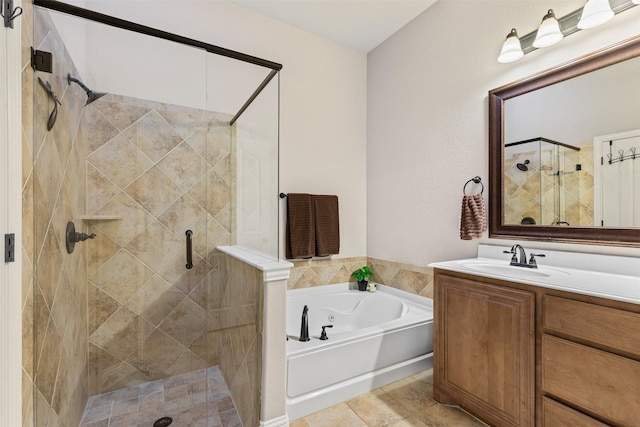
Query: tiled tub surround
x=410, y=278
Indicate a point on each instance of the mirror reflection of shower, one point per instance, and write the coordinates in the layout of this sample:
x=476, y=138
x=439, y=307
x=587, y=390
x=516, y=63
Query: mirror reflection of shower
x=549, y=190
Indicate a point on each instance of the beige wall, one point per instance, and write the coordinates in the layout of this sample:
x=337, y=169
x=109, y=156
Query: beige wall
x=427, y=118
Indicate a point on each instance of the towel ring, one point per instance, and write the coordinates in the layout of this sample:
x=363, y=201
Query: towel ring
x=476, y=180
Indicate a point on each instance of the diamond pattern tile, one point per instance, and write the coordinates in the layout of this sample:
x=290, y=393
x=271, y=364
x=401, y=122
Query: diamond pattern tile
x=185, y=214
x=218, y=143
x=120, y=160
x=186, y=322
x=183, y=165
x=134, y=219
x=121, y=115
x=156, y=245
x=219, y=193
x=155, y=300
x=122, y=276
x=154, y=191
x=184, y=121
x=100, y=189
x=153, y=135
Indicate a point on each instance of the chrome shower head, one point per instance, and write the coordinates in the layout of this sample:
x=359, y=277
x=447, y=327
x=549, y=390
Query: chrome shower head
x=523, y=166
x=91, y=95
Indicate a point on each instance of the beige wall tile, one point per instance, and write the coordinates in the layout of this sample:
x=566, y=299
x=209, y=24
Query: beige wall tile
x=122, y=115
x=122, y=276
x=153, y=135
x=122, y=333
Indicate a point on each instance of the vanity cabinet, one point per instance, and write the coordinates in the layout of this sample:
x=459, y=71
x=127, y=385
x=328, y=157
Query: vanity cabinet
x=519, y=355
x=484, y=349
x=590, y=359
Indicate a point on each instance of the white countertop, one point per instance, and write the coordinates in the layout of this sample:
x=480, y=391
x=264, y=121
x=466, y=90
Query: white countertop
x=604, y=276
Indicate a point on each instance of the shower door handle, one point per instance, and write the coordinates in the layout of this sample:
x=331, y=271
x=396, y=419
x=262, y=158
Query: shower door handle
x=189, y=265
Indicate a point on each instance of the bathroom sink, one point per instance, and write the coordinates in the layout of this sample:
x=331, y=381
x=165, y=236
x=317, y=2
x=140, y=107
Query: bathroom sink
x=505, y=270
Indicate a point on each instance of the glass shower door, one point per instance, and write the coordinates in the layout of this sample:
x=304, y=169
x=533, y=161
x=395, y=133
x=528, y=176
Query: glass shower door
x=121, y=322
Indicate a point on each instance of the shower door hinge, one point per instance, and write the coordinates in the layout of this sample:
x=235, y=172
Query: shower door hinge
x=41, y=60
x=9, y=247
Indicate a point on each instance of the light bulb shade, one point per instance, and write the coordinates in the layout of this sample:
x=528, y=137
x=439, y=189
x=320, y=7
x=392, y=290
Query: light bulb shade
x=594, y=13
x=511, y=49
x=548, y=32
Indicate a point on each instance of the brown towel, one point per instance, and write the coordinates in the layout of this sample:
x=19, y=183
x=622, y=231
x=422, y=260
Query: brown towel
x=327, y=225
x=473, y=220
x=300, y=233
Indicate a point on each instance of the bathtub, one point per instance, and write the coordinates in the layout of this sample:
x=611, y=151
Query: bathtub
x=376, y=338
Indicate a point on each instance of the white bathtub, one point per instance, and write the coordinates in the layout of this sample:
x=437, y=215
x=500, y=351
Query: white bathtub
x=377, y=338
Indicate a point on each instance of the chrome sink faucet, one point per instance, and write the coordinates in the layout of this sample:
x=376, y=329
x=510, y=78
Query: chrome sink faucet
x=519, y=258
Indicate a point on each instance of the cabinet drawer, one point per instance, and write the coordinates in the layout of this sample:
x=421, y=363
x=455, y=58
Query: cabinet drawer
x=600, y=382
x=612, y=328
x=555, y=414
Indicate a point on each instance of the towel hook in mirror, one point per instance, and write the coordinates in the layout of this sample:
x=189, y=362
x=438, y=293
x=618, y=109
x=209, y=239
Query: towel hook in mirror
x=476, y=180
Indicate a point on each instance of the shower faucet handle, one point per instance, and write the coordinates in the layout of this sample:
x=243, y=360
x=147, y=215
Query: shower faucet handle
x=323, y=335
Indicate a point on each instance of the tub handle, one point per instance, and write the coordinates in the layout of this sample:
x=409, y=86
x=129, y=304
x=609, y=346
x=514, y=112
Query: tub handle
x=323, y=335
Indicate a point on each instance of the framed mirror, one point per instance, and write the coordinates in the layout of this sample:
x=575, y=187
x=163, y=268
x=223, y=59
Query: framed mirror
x=562, y=152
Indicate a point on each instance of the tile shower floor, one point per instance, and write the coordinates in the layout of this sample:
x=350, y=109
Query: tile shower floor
x=197, y=399
x=405, y=403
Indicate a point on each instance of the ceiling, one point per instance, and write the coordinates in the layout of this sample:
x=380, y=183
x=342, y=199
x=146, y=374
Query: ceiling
x=360, y=24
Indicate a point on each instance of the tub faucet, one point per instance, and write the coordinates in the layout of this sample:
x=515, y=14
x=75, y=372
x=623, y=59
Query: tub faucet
x=304, y=326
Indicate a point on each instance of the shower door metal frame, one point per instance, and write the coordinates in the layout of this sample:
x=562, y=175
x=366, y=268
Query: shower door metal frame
x=154, y=32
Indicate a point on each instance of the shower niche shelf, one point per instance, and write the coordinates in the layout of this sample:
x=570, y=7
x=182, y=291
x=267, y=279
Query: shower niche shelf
x=100, y=218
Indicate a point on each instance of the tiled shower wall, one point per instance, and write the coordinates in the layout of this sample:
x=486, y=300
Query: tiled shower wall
x=235, y=330
x=154, y=171
x=54, y=334
x=406, y=277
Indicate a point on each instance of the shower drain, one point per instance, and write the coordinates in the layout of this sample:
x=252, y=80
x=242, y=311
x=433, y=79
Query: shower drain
x=163, y=422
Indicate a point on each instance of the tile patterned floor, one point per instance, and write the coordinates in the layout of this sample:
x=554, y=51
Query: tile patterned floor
x=405, y=403
x=197, y=399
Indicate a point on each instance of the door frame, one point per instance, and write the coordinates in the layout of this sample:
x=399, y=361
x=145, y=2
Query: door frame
x=598, y=164
x=11, y=222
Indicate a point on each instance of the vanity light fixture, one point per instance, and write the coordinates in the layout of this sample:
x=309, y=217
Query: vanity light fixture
x=552, y=30
x=548, y=32
x=594, y=13
x=511, y=49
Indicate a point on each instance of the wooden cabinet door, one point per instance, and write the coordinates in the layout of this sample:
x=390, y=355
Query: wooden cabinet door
x=485, y=349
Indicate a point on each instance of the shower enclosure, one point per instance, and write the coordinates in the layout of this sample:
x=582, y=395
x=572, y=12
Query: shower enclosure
x=542, y=183
x=141, y=323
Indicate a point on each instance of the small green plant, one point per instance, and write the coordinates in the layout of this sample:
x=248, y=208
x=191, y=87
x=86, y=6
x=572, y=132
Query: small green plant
x=362, y=273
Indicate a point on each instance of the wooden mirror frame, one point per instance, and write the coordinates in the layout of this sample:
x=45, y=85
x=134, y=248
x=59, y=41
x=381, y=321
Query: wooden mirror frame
x=590, y=235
